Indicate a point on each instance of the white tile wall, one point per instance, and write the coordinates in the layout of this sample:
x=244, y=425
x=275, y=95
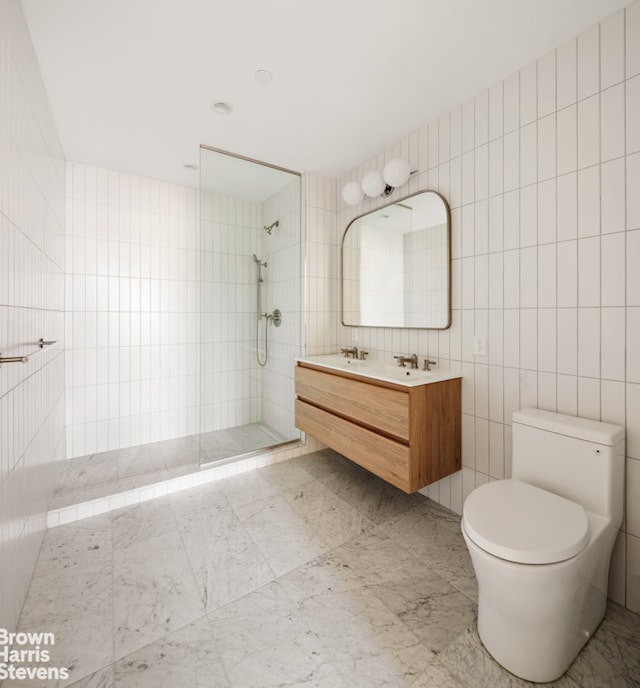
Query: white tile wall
x=231, y=378
x=282, y=250
x=132, y=303
x=542, y=173
x=141, y=325
x=32, y=190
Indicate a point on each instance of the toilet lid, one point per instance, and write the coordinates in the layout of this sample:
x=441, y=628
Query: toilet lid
x=524, y=524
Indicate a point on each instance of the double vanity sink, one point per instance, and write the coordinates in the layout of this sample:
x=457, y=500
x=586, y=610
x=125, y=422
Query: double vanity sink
x=402, y=424
x=380, y=370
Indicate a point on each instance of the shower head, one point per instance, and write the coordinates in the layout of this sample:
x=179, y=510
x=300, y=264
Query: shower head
x=269, y=228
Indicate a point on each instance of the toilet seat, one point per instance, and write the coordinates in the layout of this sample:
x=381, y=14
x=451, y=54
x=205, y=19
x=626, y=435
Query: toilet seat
x=524, y=524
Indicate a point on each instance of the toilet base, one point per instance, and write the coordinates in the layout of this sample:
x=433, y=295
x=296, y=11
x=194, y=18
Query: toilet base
x=535, y=619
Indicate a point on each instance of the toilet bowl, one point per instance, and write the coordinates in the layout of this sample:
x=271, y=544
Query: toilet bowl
x=541, y=542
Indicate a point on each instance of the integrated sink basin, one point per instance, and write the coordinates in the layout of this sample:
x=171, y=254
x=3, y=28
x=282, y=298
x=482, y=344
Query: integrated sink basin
x=381, y=370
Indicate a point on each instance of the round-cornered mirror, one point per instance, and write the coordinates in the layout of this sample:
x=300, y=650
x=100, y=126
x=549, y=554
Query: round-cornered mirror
x=396, y=265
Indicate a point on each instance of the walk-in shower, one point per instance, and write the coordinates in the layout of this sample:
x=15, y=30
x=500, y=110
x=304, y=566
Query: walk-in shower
x=248, y=346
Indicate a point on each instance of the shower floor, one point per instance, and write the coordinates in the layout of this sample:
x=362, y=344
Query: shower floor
x=107, y=473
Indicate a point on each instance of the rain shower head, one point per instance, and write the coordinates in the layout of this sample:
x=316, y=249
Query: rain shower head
x=269, y=228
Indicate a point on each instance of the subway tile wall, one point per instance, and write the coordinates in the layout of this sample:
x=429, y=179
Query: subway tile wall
x=542, y=173
x=32, y=191
x=141, y=325
x=231, y=378
x=283, y=287
x=321, y=264
x=132, y=310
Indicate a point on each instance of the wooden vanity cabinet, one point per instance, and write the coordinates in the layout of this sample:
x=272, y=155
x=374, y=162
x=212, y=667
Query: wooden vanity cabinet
x=408, y=436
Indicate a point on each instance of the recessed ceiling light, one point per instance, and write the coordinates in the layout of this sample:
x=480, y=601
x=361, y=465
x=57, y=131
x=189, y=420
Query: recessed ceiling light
x=264, y=76
x=221, y=107
x=191, y=166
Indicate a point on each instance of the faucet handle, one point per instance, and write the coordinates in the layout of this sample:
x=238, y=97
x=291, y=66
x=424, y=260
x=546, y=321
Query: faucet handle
x=363, y=354
x=428, y=364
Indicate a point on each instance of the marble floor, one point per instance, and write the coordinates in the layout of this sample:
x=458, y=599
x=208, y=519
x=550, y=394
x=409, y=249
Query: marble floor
x=309, y=572
x=97, y=475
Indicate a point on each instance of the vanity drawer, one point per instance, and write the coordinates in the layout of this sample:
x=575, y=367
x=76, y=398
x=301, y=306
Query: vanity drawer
x=388, y=459
x=382, y=408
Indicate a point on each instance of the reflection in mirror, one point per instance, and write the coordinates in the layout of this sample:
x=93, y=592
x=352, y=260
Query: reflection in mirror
x=396, y=265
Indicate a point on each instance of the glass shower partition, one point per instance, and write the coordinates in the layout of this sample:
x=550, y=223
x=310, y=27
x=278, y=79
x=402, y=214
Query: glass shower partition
x=250, y=305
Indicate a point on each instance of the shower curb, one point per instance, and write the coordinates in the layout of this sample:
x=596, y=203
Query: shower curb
x=136, y=495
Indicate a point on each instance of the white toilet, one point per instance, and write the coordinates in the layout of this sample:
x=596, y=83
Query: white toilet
x=541, y=542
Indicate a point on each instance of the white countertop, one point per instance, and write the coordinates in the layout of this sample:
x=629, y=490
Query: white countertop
x=381, y=370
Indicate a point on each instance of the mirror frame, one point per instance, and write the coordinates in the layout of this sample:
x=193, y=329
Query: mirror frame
x=449, y=262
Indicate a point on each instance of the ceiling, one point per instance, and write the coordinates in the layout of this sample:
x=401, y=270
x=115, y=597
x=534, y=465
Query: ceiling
x=131, y=82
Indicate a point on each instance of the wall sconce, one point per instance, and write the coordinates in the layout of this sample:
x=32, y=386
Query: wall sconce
x=394, y=174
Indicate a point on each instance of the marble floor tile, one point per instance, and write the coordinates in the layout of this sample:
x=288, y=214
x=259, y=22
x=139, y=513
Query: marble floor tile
x=428, y=606
x=433, y=534
x=320, y=576
x=81, y=546
x=87, y=471
x=377, y=559
x=186, y=658
x=324, y=464
x=103, y=678
x=179, y=451
x=311, y=572
x=263, y=641
x=255, y=435
x=611, y=658
x=154, y=591
x=363, y=639
x=423, y=600
x=218, y=445
x=284, y=475
x=375, y=499
x=471, y=665
x=436, y=676
x=146, y=458
x=135, y=524
x=76, y=606
x=334, y=520
x=86, y=493
x=246, y=488
x=225, y=560
x=280, y=534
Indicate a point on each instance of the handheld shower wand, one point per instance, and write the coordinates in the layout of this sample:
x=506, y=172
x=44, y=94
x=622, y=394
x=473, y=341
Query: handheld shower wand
x=269, y=228
x=261, y=264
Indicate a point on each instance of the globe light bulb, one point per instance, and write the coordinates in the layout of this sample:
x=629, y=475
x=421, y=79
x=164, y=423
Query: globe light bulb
x=373, y=183
x=352, y=193
x=396, y=172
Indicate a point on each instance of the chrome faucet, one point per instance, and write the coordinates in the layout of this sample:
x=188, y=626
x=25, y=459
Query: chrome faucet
x=352, y=352
x=413, y=359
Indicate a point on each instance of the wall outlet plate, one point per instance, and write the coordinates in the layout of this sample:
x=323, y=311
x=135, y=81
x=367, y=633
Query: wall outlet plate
x=479, y=345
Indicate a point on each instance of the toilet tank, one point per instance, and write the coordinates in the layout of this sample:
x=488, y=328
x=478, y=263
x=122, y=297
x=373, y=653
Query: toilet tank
x=577, y=458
